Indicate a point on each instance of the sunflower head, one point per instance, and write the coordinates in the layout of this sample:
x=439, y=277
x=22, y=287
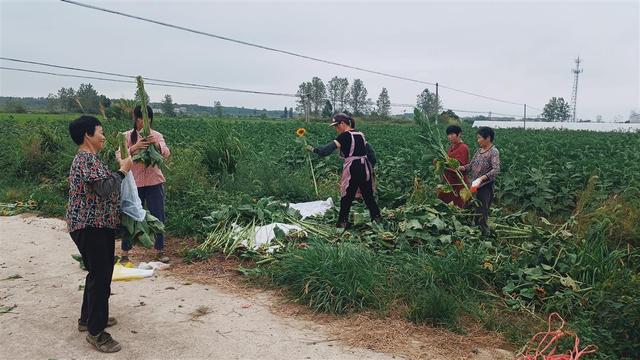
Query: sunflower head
x=301, y=132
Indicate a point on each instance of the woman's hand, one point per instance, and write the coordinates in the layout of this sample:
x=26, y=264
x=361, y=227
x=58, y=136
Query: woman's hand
x=309, y=148
x=151, y=139
x=125, y=164
x=461, y=169
x=140, y=145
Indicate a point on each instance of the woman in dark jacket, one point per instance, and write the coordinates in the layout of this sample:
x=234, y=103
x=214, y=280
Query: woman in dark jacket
x=357, y=170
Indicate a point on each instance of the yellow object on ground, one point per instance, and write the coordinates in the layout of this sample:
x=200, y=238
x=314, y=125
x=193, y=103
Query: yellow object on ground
x=123, y=273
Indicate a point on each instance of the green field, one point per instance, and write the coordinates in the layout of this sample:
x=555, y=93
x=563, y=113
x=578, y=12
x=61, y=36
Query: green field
x=566, y=219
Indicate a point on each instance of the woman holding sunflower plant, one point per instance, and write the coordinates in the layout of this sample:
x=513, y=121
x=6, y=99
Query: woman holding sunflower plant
x=357, y=170
x=149, y=179
x=484, y=168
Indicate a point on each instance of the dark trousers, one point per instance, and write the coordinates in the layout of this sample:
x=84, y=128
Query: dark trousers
x=485, y=197
x=153, y=198
x=358, y=181
x=97, y=248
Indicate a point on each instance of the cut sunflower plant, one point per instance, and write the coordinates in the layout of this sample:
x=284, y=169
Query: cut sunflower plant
x=442, y=161
x=301, y=133
x=143, y=232
x=150, y=155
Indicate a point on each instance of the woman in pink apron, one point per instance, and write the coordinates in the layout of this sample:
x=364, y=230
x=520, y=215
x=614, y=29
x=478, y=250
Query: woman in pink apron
x=357, y=170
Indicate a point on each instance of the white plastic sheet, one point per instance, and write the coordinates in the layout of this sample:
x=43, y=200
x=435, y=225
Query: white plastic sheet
x=265, y=234
x=153, y=265
x=313, y=208
x=130, y=203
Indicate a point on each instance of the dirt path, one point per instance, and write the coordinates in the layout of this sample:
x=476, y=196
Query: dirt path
x=159, y=318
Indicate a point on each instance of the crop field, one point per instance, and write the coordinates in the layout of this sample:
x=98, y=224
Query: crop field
x=566, y=220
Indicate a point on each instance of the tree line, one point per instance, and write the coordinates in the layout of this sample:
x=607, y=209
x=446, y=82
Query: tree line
x=315, y=98
x=339, y=95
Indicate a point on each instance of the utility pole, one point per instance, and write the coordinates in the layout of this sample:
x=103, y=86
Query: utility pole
x=489, y=115
x=437, y=103
x=524, y=118
x=574, y=93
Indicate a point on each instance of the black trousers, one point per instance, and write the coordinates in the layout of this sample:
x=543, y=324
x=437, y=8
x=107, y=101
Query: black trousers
x=485, y=197
x=358, y=181
x=97, y=248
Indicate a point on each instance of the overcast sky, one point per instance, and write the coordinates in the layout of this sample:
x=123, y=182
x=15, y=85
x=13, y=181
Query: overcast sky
x=517, y=51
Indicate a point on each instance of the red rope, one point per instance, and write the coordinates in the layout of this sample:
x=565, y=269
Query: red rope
x=546, y=349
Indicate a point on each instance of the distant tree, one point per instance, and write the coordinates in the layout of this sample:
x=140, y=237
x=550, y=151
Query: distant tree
x=284, y=114
x=218, y=111
x=369, y=107
x=291, y=112
x=327, y=110
x=304, y=96
x=338, y=90
x=89, y=98
x=53, y=103
x=105, y=101
x=318, y=95
x=167, y=106
x=383, y=104
x=428, y=103
x=66, y=98
x=358, y=97
x=449, y=117
x=15, y=106
x=557, y=109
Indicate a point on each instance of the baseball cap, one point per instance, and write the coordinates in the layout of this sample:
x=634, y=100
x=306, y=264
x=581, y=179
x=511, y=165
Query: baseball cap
x=342, y=118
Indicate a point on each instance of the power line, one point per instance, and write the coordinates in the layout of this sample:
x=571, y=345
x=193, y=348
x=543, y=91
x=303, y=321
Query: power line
x=482, y=96
x=286, y=52
x=172, y=83
x=188, y=87
x=179, y=83
x=220, y=37
x=132, y=81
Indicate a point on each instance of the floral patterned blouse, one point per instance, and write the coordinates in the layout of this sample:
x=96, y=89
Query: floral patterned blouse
x=485, y=163
x=86, y=207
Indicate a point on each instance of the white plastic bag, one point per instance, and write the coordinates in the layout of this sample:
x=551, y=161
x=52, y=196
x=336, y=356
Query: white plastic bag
x=313, y=208
x=153, y=265
x=130, y=203
x=265, y=234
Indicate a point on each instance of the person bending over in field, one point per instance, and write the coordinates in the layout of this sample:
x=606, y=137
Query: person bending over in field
x=149, y=180
x=484, y=167
x=459, y=151
x=93, y=216
x=357, y=170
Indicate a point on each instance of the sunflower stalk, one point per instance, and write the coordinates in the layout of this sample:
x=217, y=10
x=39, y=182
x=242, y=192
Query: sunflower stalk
x=150, y=155
x=301, y=133
x=313, y=175
x=434, y=139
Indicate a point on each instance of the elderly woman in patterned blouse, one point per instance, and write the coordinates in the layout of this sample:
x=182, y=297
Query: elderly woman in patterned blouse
x=93, y=216
x=484, y=167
